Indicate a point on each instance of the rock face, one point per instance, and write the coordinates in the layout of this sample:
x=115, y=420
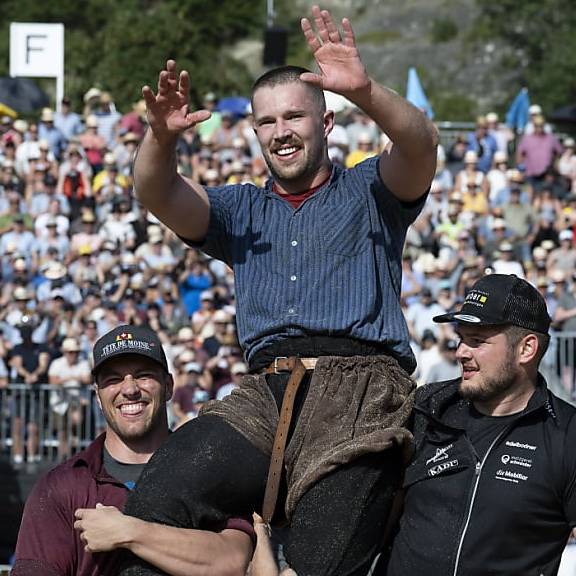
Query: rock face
x=435, y=37
x=459, y=76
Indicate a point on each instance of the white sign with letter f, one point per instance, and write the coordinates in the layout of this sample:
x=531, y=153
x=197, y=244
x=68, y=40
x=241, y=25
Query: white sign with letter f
x=37, y=51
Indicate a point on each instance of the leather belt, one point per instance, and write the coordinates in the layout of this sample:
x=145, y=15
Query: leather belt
x=285, y=364
x=297, y=368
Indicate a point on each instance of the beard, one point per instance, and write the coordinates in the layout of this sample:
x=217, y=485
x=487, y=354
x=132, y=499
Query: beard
x=490, y=387
x=130, y=431
x=310, y=160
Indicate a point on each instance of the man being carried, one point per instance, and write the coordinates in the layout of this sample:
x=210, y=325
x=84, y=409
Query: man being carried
x=316, y=255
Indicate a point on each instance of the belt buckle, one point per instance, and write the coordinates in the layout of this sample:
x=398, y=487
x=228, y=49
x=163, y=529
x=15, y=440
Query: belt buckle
x=276, y=363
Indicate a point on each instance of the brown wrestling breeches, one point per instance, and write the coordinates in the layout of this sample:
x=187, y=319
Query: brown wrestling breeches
x=340, y=472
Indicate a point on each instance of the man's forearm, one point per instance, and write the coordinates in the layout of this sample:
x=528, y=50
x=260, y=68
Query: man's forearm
x=408, y=168
x=154, y=169
x=187, y=552
x=180, y=203
x=409, y=129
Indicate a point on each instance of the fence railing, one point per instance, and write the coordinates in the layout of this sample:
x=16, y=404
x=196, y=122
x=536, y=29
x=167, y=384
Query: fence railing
x=47, y=422
x=559, y=365
x=50, y=423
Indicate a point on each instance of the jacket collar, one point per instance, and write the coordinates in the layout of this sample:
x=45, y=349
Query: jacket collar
x=443, y=403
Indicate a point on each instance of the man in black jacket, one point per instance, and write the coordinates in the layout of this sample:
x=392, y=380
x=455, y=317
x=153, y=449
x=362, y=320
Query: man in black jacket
x=492, y=486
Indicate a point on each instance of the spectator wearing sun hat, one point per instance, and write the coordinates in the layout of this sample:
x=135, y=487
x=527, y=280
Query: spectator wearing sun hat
x=470, y=174
x=237, y=370
x=117, y=227
x=71, y=373
x=108, y=119
x=567, y=164
x=193, y=280
x=564, y=257
x=20, y=303
x=506, y=261
x=125, y=152
x=483, y=143
x=51, y=240
x=87, y=235
x=500, y=132
x=21, y=238
x=497, y=176
x=189, y=397
x=538, y=151
x=535, y=111
x=56, y=282
x=93, y=144
x=67, y=121
x=48, y=131
x=43, y=192
x=207, y=128
x=365, y=149
x=109, y=181
x=135, y=120
x=202, y=316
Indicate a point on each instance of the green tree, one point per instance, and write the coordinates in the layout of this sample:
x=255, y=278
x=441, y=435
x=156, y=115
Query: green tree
x=120, y=45
x=539, y=42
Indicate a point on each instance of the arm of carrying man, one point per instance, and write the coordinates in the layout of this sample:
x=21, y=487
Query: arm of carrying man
x=176, y=551
x=179, y=202
x=408, y=169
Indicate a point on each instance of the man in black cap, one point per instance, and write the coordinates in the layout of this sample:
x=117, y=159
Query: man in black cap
x=492, y=485
x=88, y=491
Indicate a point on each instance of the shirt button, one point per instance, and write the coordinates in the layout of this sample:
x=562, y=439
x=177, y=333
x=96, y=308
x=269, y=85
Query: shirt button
x=293, y=278
x=294, y=242
x=290, y=310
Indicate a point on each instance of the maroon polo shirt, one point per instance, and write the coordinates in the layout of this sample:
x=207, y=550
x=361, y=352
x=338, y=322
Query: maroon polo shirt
x=48, y=545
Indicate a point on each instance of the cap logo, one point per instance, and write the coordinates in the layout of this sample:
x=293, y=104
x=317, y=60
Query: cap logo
x=125, y=345
x=124, y=336
x=467, y=318
x=476, y=298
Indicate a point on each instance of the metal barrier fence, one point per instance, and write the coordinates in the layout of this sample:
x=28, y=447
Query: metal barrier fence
x=52, y=423
x=559, y=365
x=449, y=131
x=47, y=422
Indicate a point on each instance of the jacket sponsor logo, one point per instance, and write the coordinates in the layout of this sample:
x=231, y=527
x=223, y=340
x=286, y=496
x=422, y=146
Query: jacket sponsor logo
x=439, y=468
x=441, y=454
x=508, y=476
x=511, y=444
x=516, y=461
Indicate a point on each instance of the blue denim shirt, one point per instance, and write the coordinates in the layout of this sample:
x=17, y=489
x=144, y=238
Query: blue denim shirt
x=331, y=267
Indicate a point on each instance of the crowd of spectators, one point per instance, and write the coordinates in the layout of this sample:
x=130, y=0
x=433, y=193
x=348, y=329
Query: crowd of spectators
x=79, y=255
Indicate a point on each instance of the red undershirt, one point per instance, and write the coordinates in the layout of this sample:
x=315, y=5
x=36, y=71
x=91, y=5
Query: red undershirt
x=296, y=200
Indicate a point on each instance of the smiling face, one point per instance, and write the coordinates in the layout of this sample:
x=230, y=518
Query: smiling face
x=490, y=367
x=132, y=392
x=292, y=131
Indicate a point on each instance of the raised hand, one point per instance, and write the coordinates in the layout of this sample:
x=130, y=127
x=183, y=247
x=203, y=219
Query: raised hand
x=341, y=69
x=168, y=110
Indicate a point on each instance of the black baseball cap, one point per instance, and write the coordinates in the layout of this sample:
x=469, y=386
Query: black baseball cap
x=127, y=339
x=498, y=299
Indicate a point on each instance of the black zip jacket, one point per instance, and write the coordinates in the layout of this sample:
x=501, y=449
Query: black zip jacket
x=508, y=514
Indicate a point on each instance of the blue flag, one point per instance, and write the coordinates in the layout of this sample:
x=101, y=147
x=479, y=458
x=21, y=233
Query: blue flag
x=517, y=115
x=415, y=93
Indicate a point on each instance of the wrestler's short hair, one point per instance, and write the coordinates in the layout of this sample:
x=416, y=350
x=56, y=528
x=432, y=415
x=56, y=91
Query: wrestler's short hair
x=289, y=75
